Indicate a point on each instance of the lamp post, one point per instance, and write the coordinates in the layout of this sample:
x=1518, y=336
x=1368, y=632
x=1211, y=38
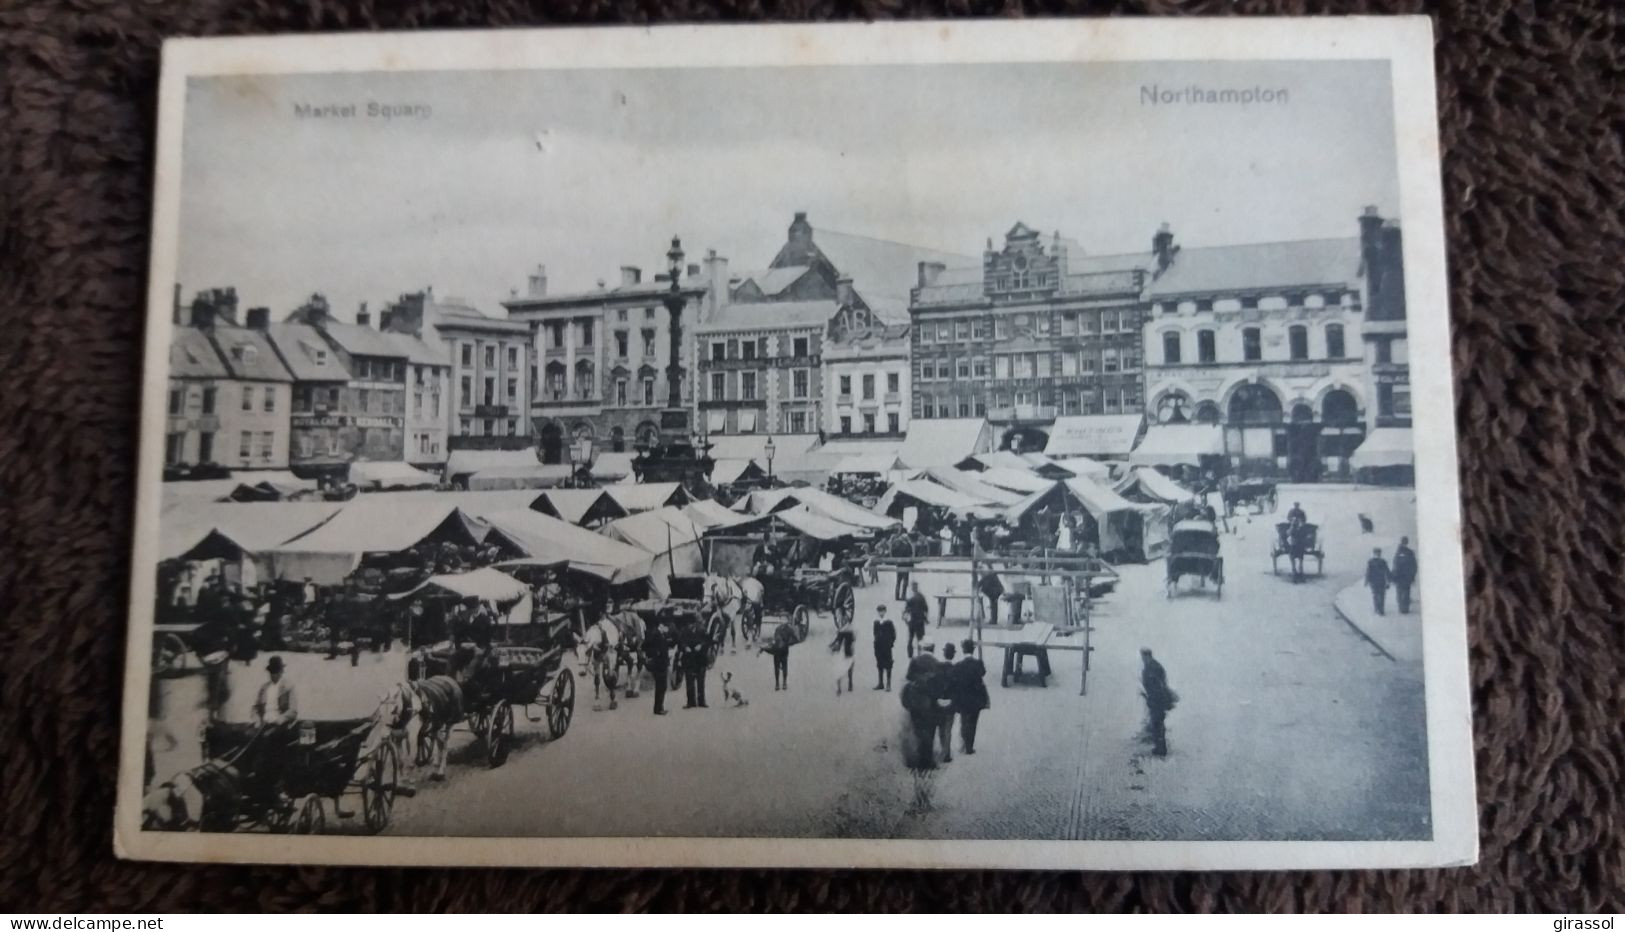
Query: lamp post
x=768, y=450
x=675, y=419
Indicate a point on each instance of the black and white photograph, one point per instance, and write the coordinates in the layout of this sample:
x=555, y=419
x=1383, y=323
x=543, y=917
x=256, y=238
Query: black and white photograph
x=1013, y=445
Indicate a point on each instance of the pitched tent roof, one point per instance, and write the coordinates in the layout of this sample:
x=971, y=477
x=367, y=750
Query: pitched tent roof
x=707, y=514
x=647, y=496
x=385, y=475
x=249, y=526
x=612, y=466
x=1178, y=444
x=1046, y=466
x=1099, y=499
x=654, y=531
x=820, y=501
x=998, y=459
x=1259, y=266
x=967, y=483
x=485, y=584
x=792, y=453
x=725, y=472
x=944, y=442
x=802, y=520
x=579, y=506
x=534, y=476
x=477, y=504
x=548, y=539
x=331, y=551
x=867, y=464
x=270, y=485
x=1151, y=485
x=926, y=492
x=1385, y=446
x=1094, y=435
x=468, y=462
x=1015, y=480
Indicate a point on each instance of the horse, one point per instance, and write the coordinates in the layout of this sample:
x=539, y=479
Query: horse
x=629, y=654
x=603, y=643
x=739, y=601
x=201, y=799
x=419, y=715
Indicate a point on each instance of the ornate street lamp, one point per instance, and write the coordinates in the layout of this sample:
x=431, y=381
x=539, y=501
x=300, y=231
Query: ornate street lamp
x=768, y=451
x=675, y=419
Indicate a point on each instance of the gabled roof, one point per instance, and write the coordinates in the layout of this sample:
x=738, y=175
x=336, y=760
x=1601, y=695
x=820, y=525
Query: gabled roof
x=881, y=269
x=548, y=539
x=418, y=352
x=364, y=341
x=775, y=281
x=306, y=353
x=193, y=356
x=249, y=355
x=455, y=314
x=639, y=497
x=770, y=315
x=1260, y=266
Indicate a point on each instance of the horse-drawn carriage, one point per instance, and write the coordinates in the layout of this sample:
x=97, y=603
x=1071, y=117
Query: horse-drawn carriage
x=278, y=778
x=1258, y=495
x=687, y=608
x=1296, y=542
x=493, y=681
x=1193, y=550
x=796, y=597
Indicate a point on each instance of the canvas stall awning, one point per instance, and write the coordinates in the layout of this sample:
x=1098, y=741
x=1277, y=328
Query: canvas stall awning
x=831, y=506
x=485, y=584
x=329, y=552
x=727, y=472
x=1178, y=445
x=612, y=466
x=271, y=485
x=533, y=476
x=1149, y=485
x=468, y=462
x=944, y=442
x=926, y=492
x=580, y=506
x=549, y=540
x=1102, y=435
x=208, y=530
x=669, y=535
x=1120, y=522
x=1384, y=447
x=707, y=514
x=867, y=464
x=800, y=519
x=1015, y=480
x=967, y=483
x=370, y=475
x=473, y=503
x=639, y=497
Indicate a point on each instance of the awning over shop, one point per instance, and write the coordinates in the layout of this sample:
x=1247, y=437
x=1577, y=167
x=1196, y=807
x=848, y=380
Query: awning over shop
x=1103, y=435
x=533, y=476
x=1178, y=445
x=831, y=506
x=944, y=442
x=468, y=462
x=547, y=539
x=1384, y=447
x=747, y=420
x=1149, y=485
x=580, y=506
x=386, y=475
x=637, y=497
x=485, y=584
x=716, y=420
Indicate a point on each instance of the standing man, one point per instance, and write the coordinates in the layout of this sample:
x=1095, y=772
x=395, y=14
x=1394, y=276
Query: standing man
x=1404, y=574
x=902, y=550
x=915, y=613
x=922, y=697
x=1377, y=577
x=692, y=654
x=885, y=637
x=992, y=588
x=968, y=692
x=1296, y=513
x=945, y=714
x=1159, y=701
x=657, y=658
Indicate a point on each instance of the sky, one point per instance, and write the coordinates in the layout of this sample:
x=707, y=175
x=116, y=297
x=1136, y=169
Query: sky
x=588, y=170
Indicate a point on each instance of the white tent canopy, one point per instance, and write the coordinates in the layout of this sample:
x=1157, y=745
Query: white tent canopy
x=330, y=551
x=612, y=466
x=639, y=497
x=944, y=442
x=578, y=506
x=1155, y=486
x=202, y=490
x=803, y=520
x=550, y=540
x=1178, y=444
x=671, y=536
x=468, y=462
x=925, y=492
x=252, y=526
x=1015, y=480
x=485, y=584
x=967, y=483
x=532, y=476
x=867, y=464
x=727, y=472
x=1105, y=435
x=707, y=514
x=831, y=506
x=1384, y=447
x=386, y=475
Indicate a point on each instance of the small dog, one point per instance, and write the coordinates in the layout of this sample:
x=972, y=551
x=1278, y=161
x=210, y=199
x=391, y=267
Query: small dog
x=729, y=693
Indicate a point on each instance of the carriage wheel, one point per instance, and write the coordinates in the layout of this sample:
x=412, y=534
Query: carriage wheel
x=499, y=735
x=311, y=816
x=561, y=705
x=424, y=753
x=479, y=721
x=716, y=635
x=801, y=621
x=378, y=787
x=168, y=654
x=844, y=604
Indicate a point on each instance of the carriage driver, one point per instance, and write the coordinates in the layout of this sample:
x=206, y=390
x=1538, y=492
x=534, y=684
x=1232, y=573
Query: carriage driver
x=276, y=704
x=1297, y=514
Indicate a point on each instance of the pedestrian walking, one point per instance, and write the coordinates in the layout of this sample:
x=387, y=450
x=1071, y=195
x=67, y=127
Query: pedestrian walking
x=967, y=690
x=1404, y=574
x=992, y=588
x=921, y=696
x=1377, y=577
x=784, y=638
x=885, y=638
x=842, y=652
x=1159, y=701
x=657, y=660
x=947, y=710
x=915, y=613
x=694, y=654
x=902, y=550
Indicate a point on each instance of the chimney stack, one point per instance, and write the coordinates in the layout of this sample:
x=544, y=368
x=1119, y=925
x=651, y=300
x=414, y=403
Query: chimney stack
x=538, y=282
x=631, y=275
x=929, y=272
x=364, y=319
x=385, y=315
x=259, y=318
x=801, y=239
x=693, y=270
x=1370, y=249
x=1163, y=248
x=717, y=284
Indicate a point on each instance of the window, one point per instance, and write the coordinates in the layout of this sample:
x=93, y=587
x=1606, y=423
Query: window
x=1001, y=328
x=893, y=383
x=925, y=406
x=555, y=336
x=648, y=313
x=1252, y=347
x=747, y=386
x=585, y=330
x=1170, y=349
x=798, y=422
x=648, y=391
x=964, y=407
x=174, y=448
x=1334, y=341
x=978, y=367
x=944, y=332
x=1385, y=352
x=1069, y=324
x=747, y=350
x=363, y=400
x=1111, y=401
x=205, y=447
x=942, y=409
x=267, y=445
x=512, y=396
x=489, y=396
x=1108, y=321
x=719, y=350
x=1086, y=363
x=245, y=445
x=270, y=399
x=868, y=423
x=434, y=403
x=490, y=357
x=981, y=406
x=1131, y=361
x=465, y=426
x=1205, y=351
x=719, y=385
x=586, y=380
x=555, y=383
x=248, y=397
x=893, y=422
x=489, y=426
x=961, y=329
x=846, y=424
x=208, y=401
x=1021, y=366
x=1001, y=367
x=1248, y=304
x=925, y=333
x=620, y=392
x=1109, y=360
x=846, y=386
x=799, y=345
x=513, y=354
x=465, y=390
x=1069, y=364
x=798, y=383
x=869, y=387
x=177, y=401
x=1298, y=342
x=1043, y=368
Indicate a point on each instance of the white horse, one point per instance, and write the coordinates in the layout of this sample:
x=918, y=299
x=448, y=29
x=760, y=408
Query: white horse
x=603, y=642
x=739, y=601
x=418, y=716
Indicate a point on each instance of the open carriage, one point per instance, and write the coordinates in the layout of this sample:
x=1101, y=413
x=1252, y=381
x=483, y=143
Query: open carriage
x=1297, y=544
x=1193, y=550
x=1257, y=495
x=278, y=778
x=494, y=681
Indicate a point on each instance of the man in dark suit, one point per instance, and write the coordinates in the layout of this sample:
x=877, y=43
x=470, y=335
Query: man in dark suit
x=885, y=638
x=1377, y=578
x=915, y=614
x=694, y=654
x=1404, y=574
x=903, y=550
x=1159, y=701
x=657, y=658
x=967, y=690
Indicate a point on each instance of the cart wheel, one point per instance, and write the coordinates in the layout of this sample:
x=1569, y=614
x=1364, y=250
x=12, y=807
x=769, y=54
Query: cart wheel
x=801, y=621
x=845, y=605
x=561, y=705
x=424, y=753
x=378, y=787
x=479, y=721
x=716, y=634
x=169, y=654
x=499, y=735
x=309, y=817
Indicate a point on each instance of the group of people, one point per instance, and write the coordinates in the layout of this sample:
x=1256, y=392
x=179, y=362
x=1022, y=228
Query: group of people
x=1379, y=575
x=935, y=693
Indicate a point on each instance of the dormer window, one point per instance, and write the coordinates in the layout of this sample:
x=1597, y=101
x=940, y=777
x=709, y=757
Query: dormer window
x=243, y=353
x=321, y=357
